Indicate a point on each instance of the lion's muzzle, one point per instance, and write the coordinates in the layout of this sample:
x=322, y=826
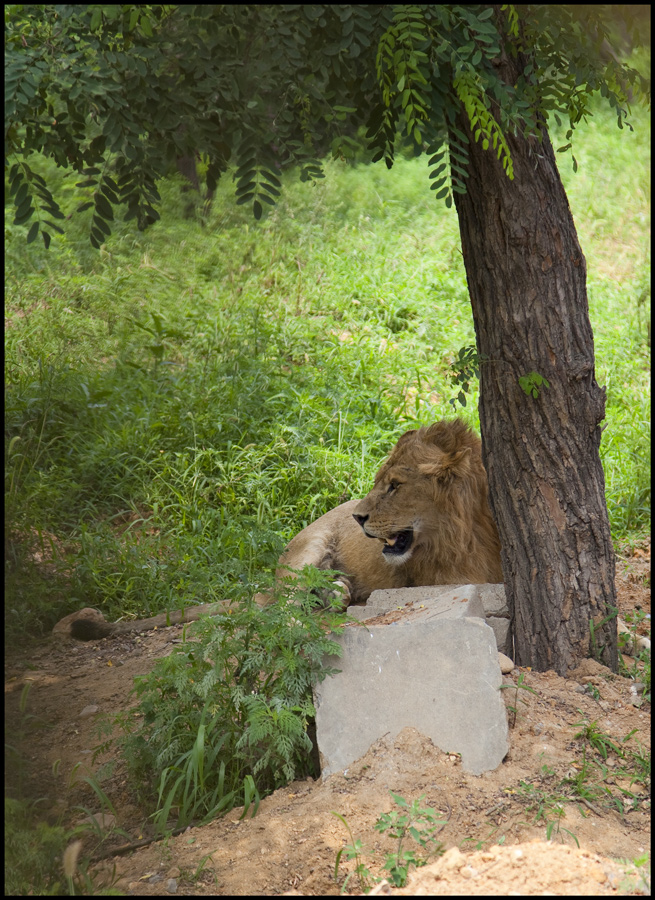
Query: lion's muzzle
x=395, y=545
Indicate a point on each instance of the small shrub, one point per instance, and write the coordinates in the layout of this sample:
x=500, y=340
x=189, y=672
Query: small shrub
x=414, y=822
x=223, y=719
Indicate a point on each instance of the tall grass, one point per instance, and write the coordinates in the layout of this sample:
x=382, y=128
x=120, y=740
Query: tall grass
x=182, y=402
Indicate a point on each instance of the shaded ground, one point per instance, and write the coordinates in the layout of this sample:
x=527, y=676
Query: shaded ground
x=292, y=843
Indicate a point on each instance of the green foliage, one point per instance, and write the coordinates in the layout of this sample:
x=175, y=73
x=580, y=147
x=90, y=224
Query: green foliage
x=532, y=384
x=100, y=91
x=413, y=822
x=45, y=859
x=594, y=647
x=353, y=851
x=520, y=686
x=33, y=852
x=638, y=878
x=465, y=368
x=622, y=785
x=222, y=720
x=639, y=670
x=548, y=807
x=598, y=740
x=482, y=123
x=591, y=782
x=416, y=822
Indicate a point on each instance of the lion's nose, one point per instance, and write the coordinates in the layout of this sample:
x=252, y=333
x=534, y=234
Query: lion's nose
x=360, y=519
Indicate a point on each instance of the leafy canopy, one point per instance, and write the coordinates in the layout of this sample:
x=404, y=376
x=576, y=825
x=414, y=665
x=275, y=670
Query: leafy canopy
x=117, y=93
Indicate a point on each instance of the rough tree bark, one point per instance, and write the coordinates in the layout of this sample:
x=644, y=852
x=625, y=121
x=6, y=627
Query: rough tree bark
x=527, y=280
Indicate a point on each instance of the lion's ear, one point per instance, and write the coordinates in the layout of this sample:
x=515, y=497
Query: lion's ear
x=448, y=465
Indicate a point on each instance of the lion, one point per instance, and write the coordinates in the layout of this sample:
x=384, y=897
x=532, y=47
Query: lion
x=426, y=521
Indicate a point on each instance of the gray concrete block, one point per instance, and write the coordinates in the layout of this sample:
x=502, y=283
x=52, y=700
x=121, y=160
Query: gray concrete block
x=500, y=628
x=392, y=598
x=360, y=613
x=444, y=600
x=440, y=676
x=494, y=600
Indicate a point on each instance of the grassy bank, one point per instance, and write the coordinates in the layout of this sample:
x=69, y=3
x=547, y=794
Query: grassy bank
x=182, y=402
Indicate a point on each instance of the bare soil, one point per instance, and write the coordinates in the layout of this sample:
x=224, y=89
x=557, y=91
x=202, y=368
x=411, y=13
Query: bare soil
x=495, y=825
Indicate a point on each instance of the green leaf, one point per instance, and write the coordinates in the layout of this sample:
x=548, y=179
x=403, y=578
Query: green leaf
x=101, y=225
x=103, y=207
x=24, y=216
x=32, y=233
x=21, y=194
x=272, y=177
x=245, y=188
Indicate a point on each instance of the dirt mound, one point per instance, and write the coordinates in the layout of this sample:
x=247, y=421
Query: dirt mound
x=533, y=868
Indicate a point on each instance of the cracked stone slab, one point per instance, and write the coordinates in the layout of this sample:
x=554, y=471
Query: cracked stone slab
x=439, y=675
x=487, y=601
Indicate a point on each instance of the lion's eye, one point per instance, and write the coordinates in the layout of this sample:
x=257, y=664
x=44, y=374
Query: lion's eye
x=392, y=486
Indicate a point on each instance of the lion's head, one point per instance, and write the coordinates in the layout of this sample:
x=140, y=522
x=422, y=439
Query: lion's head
x=429, y=508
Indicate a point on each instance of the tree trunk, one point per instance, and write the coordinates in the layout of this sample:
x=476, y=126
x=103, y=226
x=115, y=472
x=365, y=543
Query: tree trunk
x=527, y=280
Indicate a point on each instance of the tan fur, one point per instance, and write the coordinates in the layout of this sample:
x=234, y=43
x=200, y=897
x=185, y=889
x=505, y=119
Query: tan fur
x=441, y=496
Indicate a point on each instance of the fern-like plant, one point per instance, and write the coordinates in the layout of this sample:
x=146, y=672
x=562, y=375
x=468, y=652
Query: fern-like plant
x=223, y=719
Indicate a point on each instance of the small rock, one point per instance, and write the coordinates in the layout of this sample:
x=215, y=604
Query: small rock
x=453, y=860
x=597, y=873
x=506, y=664
x=89, y=711
x=469, y=872
x=63, y=628
x=171, y=886
x=383, y=887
